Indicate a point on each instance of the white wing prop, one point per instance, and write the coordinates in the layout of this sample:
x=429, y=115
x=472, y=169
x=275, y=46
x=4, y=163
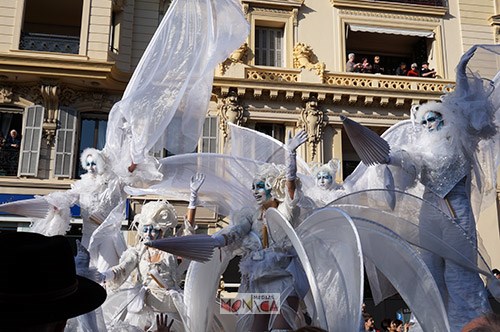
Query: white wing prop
x=107, y=243
x=202, y=280
x=408, y=220
x=50, y=214
x=248, y=143
x=167, y=97
x=328, y=247
x=403, y=267
x=227, y=180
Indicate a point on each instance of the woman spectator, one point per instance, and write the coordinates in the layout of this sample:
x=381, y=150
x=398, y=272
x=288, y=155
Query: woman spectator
x=413, y=71
x=366, y=67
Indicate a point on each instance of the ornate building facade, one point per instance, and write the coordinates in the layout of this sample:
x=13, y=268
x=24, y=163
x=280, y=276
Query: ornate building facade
x=64, y=63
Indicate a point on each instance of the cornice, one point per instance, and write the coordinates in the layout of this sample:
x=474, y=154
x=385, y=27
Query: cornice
x=36, y=186
x=391, y=7
x=494, y=20
x=368, y=95
x=387, y=15
x=75, y=69
x=281, y=3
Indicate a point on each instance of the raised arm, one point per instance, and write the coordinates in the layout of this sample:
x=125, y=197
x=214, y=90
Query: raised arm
x=291, y=160
x=195, y=185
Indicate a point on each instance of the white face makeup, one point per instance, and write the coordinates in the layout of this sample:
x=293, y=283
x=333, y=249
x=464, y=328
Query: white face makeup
x=90, y=164
x=260, y=192
x=150, y=232
x=324, y=180
x=432, y=121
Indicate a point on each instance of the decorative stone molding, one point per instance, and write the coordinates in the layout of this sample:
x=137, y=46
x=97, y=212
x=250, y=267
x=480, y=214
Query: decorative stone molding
x=304, y=57
x=272, y=75
x=232, y=111
x=5, y=95
x=238, y=55
x=264, y=10
x=295, y=15
x=388, y=16
x=30, y=93
x=50, y=95
x=69, y=96
x=313, y=120
x=281, y=3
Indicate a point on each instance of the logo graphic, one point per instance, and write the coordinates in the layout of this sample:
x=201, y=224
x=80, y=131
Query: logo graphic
x=251, y=303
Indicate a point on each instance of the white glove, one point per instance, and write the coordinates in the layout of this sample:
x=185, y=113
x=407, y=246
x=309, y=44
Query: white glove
x=107, y=275
x=196, y=182
x=292, y=145
x=220, y=239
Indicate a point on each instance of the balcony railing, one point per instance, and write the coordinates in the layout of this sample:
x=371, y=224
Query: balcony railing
x=9, y=159
x=437, y=3
x=49, y=43
x=354, y=80
x=388, y=82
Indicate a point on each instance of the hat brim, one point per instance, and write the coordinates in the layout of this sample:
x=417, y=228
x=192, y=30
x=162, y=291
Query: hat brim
x=88, y=297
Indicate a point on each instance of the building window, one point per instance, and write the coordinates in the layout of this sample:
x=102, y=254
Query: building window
x=92, y=135
x=115, y=28
x=209, y=137
x=52, y=26
x=393, y=46
x=268, y=46
x=274, y=130
x=10, y=119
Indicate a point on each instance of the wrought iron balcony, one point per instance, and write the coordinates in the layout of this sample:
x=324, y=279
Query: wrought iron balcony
x=49, y=43
x=437, y=3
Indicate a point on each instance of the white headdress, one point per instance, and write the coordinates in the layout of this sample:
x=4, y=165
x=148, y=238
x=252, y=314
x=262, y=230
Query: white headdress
x=160, y=214
x=468, y=108
x=98, y=157
x=331, y=167
x=274, y=179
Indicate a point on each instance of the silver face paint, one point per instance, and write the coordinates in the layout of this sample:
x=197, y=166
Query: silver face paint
x=432, y=121
x=150, y=232
x=324, y=180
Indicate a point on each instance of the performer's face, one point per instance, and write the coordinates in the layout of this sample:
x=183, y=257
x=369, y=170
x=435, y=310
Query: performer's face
x=260, y=192
x=150, y=232
x=432, y=121
x=90, y=164
x=324, y=180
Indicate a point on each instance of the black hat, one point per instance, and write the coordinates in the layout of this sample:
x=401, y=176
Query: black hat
x=38, y=283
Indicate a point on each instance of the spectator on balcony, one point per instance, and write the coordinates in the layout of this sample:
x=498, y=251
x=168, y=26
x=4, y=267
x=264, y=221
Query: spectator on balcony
x=366, y=67
x=413, y=70
x=352, y=66
x=426, y=71
x=377, y=66
x=13, y=142
x=401, y=70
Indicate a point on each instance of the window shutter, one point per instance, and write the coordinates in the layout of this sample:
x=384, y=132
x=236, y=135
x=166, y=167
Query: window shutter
x=209, y=136
x=65, y=143
x=269, y=46
x=31, y=140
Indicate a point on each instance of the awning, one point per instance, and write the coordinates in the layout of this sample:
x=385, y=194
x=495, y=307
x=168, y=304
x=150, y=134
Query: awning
x=391, y=31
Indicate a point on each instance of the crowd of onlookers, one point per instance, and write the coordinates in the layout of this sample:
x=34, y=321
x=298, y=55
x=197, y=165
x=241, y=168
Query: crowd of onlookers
x=365, y=66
